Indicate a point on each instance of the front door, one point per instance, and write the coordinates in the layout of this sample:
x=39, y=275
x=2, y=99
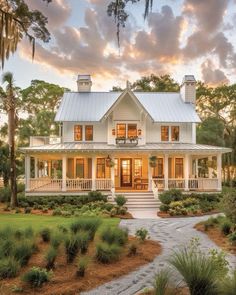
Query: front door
x=126, y=172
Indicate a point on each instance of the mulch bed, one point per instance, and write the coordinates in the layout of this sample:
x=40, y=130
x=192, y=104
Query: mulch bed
x=64, y=280
x=215, y=234
x=167, y=215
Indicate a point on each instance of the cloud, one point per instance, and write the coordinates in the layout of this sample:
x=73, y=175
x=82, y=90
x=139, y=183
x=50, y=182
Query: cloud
x=57, y=12
x=211, y=75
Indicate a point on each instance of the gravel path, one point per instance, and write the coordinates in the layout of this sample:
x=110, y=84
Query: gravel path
x=170, y=233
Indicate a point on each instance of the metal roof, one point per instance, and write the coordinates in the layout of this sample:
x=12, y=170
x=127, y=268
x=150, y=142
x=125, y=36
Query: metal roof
x=85, y=106
x=161, y=147
x=92, y=106
x=167, y=107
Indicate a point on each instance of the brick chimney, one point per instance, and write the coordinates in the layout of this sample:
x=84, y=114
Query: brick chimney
x=84, y=83
x=188, y=89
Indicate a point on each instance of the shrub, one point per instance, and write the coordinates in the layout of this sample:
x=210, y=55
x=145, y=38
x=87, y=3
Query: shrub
x=219, y=260
x=86, y=224
x=120, y=200
x=108, y=206
x=23, y=251
x=20, y=187
x=18, y=234
x=113, y=212
x=106, y=253
x=82, y=266
x=226, y=227
x=5, y=194
x=232, y=238
x=198, y=270
x=9, y=268
x=45, y=234
x=132, y=249
x=96, y=196
x=36, y=276
x=83, y=240
x=66, y=213
x=71, y=247
x=210, y=222
x=161, y=282
x=142, y=234
x=190, y=202
x=17, y=210
x=50, y=258
x=122, y=210
x=45, y=210
x=114, y=235
x=164, y=208
x=29, y=233
x=228, y=205
x=171, y=195
x=6, y=247
x=228, y=285
x=57, y=212
x=27, y=210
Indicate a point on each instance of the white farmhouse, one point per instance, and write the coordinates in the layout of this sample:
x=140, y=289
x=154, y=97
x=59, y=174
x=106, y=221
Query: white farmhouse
x=124, y=142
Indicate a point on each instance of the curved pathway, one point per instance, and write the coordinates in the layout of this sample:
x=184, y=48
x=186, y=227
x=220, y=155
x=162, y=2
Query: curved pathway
x=170, y=233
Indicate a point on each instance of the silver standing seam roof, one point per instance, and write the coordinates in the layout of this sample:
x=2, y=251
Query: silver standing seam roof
x=92, y=106
x=161, y=147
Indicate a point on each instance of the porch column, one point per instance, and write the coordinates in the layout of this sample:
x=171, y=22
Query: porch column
x=186, y=172
x=150, y=169
x=27, y=172
x=196, y=167
x=64, y=160
x=166, y=172
x=93, y=173
x=219, y=171
x=36, y=171
x=113, y=178
x=210, y=170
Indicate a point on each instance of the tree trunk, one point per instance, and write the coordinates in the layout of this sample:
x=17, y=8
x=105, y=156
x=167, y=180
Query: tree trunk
x=11, y=138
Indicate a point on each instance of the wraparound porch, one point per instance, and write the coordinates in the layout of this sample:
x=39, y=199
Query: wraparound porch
x=119, y=172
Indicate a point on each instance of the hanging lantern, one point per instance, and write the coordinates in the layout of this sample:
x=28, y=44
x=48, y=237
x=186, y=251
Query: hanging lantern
x=113, y=131
x=139, y=132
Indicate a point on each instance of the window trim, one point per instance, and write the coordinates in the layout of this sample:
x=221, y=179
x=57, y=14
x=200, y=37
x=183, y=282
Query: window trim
x=81, y=128
x=124, y=124
x=168, y=134
x=86, y=127
x=172, y=128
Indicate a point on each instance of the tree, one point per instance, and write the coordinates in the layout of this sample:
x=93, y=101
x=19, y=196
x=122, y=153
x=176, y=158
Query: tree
x=10, y=105
x=4, y=163
x=17, y=20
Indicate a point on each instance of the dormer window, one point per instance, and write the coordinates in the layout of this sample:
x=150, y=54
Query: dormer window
x=88, y=132
x=132, y=130
x=78, y=133
x=174, y=133
x=121, y=130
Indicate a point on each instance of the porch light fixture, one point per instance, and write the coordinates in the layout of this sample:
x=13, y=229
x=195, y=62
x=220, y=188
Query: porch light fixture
x=113, y=131
x=139, y=132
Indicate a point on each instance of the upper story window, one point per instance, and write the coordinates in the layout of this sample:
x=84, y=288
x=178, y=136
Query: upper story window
x=132, y=130
x=126, y=130
x=164, y=133
x=174, y=133
x=78, y=133
x=121, y=130
x=169, y=133
x=88, y=132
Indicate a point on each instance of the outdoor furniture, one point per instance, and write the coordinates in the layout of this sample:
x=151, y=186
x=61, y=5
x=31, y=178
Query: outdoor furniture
x=140, y=183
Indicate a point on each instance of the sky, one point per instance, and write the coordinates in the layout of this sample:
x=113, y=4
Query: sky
x=179, y=37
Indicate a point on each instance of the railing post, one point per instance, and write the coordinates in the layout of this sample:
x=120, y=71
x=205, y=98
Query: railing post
x=219, y=175
x=166, y=172
x=186, y=172
x=210, y=169
x=64, y=160
x=113, y=177
x=93, y=173
x=36, y=172
x=149, y=178
x=27, y=172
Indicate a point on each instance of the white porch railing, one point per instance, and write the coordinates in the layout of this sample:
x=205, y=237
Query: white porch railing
x=176, y=183
x=79, y=184
x=155, y=188
x=160, y=183
x=203, y=183
x=45, y=184
x=103, y=184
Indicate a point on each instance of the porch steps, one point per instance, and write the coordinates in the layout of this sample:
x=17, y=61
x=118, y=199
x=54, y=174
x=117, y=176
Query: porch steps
x=142, y=200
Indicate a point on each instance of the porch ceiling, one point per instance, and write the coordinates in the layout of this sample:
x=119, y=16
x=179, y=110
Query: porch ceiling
x=103, y=147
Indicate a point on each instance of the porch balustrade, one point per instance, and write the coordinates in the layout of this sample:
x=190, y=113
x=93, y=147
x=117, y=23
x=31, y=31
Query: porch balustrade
x=176, y=183
x=103, y=184
x=79, y=184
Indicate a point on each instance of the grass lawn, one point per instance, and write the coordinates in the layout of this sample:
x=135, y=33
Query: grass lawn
x=38, y=222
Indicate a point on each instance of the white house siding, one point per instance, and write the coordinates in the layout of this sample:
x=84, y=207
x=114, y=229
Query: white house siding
x=99, y=131
x=153, y=131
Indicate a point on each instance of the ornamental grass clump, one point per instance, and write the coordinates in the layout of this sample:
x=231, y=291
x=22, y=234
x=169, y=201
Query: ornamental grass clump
x=120, y=200
x=86, y=224
x=82, y=266
x=199, y=271
x=56, y=240
x=106, y=253
x=226, y=226
x=23, y=251
x=71, y=247
x=36, y=277
x=228, y=285
x=161, y=282
x=45, y=234
x=9, y=267
x=83, y=238
x=50, y=258
x=114, y=235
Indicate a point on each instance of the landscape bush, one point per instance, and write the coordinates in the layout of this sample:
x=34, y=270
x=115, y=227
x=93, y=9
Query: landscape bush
x=9, y=267
x=161, y=282
x=228, y=205
x=5, y=194
x=232, y=238
x=36, y=277
x=107, y=253
x=120, y=200
x=114, y=235
x=225, y=226
x=86, y=224
x=132, y=249
x=142, y=234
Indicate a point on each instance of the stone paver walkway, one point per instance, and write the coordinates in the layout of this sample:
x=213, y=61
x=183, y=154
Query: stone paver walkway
x=170, y=233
